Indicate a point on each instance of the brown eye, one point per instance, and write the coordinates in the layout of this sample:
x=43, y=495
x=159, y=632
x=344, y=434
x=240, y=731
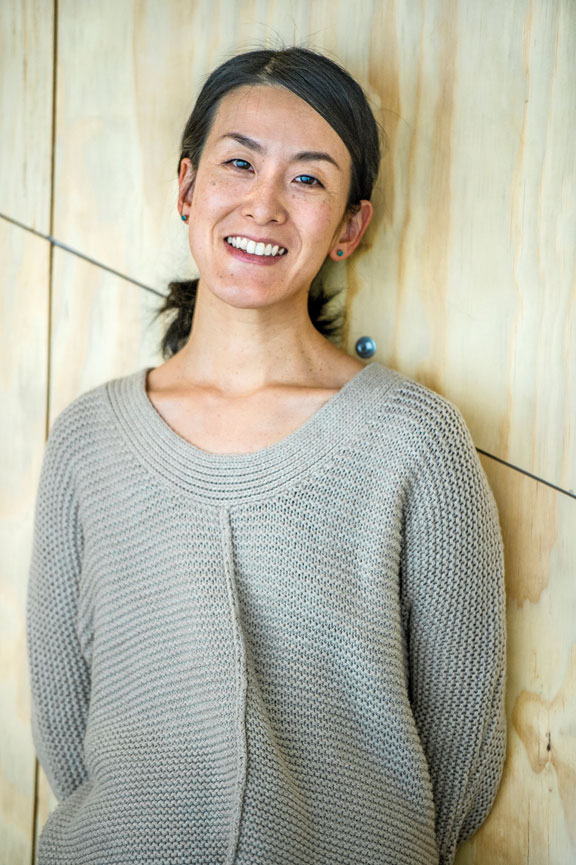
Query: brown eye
x=242, y=164
x=307, y=180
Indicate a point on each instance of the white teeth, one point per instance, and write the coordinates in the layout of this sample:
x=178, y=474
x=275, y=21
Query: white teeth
x=254, y=248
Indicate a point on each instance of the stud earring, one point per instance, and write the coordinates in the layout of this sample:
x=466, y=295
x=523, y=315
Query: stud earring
x=340, y=252
x=184, y=217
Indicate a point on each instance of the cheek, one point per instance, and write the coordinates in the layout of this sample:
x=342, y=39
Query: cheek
x=211, y=198
x=324, y=225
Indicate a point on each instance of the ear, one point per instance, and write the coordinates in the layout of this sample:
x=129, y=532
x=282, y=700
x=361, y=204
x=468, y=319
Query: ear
x=352, y=228
x=186, y=177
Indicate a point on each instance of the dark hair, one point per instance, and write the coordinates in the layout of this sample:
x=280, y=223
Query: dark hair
x=337, y=97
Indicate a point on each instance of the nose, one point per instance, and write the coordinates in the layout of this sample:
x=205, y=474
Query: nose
x=264, y=201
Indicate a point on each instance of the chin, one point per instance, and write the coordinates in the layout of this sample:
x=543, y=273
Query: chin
x=256, y=297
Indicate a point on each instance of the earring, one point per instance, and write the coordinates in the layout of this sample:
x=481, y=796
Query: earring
x=184, y=217
x=340, y=252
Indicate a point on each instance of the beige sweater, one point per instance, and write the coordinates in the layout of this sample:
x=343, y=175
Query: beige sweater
x=288, y=657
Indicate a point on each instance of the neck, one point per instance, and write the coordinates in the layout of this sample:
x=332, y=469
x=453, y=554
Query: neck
x=238, y=351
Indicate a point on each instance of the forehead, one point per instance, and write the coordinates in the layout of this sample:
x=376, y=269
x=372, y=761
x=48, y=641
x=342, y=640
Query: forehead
x=275, y=115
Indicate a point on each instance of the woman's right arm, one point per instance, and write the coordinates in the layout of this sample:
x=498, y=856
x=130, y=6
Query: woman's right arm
x=59, y=674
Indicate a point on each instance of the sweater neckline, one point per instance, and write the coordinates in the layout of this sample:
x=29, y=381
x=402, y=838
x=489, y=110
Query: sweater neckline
x=223, y=477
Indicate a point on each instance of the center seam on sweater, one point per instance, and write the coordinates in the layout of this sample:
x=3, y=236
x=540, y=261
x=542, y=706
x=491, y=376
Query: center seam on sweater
x=241, y=683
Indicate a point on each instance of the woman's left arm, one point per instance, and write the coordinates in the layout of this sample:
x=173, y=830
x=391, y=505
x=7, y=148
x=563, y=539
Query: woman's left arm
x=454, y=615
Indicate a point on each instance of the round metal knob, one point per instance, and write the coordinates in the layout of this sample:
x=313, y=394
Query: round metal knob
x=365, y=346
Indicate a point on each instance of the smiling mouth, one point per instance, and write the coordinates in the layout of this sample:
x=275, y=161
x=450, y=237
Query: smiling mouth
x=253, y=248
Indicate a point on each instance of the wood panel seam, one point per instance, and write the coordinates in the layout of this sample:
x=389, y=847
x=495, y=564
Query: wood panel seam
x=54, y=242
x=48, y=345
x=528, y=474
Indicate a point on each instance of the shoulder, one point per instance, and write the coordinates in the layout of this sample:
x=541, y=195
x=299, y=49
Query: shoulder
x=421, y=420
x=86, y=418
x=446, y=480
x=424, y=436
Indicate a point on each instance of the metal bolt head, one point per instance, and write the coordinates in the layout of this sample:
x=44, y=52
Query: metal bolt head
x=365, y=346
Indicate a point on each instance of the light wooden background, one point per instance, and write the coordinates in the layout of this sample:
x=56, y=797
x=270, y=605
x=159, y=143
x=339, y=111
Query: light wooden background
x=466, y=281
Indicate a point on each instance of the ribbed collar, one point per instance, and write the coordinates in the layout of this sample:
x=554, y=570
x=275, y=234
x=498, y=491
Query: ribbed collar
x=221, y=478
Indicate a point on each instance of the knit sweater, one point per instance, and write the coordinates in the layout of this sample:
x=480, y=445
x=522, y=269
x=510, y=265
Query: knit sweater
x=293, y=656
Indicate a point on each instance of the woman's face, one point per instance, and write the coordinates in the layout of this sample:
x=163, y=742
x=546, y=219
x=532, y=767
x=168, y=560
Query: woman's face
x=272, y=172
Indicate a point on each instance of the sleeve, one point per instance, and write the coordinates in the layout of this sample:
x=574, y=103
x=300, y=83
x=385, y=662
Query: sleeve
x=453, y=602
x=59, y=674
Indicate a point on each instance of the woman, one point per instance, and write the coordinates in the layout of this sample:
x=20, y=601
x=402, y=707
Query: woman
x=266, y=610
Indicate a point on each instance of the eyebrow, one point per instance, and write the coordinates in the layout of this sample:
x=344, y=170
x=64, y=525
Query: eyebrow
x=302, y=156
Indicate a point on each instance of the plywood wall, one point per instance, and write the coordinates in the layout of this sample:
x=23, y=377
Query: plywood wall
x=466, y=280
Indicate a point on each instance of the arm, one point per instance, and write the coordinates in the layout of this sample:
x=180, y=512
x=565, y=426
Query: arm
x=59, y=674
x=454, y=616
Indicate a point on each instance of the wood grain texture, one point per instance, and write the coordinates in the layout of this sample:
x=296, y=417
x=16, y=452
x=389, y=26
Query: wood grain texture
x=533, y=821
x=102, y=327
x=466, y=280
x=24, y=262
x=472, y=257
x=26, y=73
